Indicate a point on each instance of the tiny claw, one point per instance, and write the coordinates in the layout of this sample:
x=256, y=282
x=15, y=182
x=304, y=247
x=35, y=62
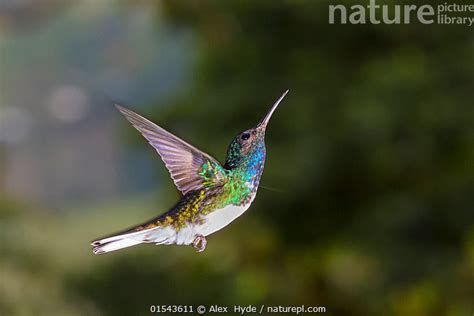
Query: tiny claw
x=199, y=243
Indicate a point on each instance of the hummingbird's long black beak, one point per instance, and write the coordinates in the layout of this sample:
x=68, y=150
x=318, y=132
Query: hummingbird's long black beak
x=263, y=123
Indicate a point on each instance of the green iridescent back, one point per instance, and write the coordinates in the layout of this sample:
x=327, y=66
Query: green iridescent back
x=240, y=179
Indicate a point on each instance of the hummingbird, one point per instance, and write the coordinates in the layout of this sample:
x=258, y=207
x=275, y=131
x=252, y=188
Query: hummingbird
x=211, y=195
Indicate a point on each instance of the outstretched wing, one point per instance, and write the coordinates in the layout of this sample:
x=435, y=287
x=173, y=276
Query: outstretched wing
x=190, y=168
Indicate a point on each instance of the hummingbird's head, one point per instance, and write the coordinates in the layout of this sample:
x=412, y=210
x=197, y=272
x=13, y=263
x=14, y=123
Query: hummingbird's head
x=250, y=144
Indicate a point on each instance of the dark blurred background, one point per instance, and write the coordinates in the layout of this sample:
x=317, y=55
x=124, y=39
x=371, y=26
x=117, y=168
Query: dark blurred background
x=367, y=205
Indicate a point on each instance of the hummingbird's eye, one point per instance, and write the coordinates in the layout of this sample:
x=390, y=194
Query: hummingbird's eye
x=245, y=136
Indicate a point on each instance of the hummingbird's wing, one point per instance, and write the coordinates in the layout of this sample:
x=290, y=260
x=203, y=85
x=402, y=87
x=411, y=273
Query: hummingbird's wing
x=190, y=168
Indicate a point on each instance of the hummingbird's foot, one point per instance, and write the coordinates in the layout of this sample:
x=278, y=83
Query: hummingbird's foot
x=199, y=243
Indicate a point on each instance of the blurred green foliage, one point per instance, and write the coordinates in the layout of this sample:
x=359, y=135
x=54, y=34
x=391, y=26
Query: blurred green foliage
x=371, y=157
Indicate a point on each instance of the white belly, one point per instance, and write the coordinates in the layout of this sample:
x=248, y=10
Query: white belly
x=220, y=218
x=212, y=222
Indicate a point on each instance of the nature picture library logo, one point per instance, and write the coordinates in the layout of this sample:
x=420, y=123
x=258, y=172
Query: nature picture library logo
x=373, y=13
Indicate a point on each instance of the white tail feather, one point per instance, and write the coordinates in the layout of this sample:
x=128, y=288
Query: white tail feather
x=155, y=235
x=117, y=242
x=115, y=245
x=133, y=235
